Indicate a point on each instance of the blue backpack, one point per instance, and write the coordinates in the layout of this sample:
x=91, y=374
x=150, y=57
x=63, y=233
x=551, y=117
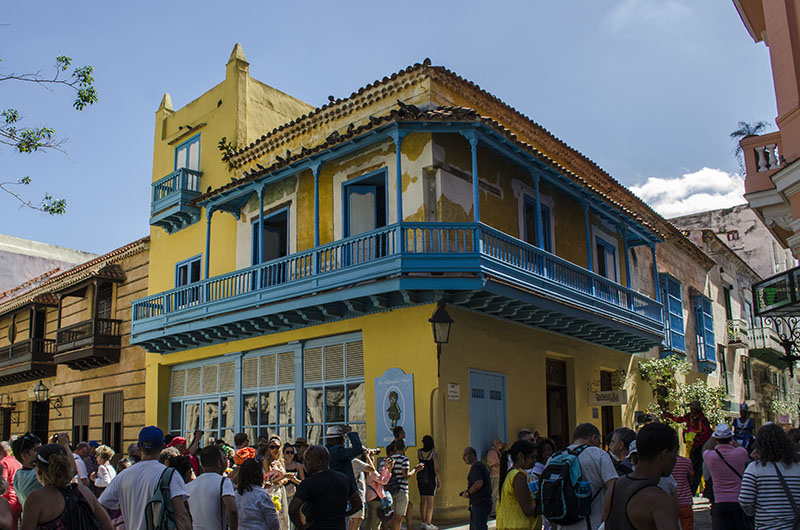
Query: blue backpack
x=564, y=496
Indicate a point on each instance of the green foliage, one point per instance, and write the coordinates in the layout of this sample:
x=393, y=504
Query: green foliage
x=789, y=406
x=671, y=395
x=24, y=139
x=743, y=130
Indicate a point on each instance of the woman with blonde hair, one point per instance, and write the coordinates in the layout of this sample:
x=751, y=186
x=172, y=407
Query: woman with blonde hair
x=60, y=504
x=275, y=478
x=105, y=471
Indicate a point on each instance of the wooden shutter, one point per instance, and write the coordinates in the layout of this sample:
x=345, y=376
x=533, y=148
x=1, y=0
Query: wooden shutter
x=268, y=370
x=210, y=379
x=250, y=372
x=227, y=376
x=334, y=362
x=354, y=355
x=178, y=383
x=286, y=368
x=673, y=305
x=312, y=363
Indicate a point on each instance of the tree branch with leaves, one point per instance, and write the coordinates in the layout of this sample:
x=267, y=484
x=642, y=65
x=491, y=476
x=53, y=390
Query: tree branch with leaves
x=26, y=140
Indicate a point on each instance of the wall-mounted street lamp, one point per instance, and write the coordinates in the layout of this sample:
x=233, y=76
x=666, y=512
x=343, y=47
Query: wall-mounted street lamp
x=440, y=321
x=42, y=395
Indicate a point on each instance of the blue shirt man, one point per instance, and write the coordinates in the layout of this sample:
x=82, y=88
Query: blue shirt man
x=341, y=456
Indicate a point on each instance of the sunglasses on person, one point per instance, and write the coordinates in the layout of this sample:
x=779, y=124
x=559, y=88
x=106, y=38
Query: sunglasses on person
x=288, y=452
x=274, y=446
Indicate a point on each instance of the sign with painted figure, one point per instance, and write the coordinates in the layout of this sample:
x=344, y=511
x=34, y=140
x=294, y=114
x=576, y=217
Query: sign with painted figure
x=394, y=406
x=608, y=397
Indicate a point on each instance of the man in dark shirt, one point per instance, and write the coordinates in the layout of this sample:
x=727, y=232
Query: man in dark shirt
x=479, y=490
x=618, y=450
x=325, y=493
x=341, y=456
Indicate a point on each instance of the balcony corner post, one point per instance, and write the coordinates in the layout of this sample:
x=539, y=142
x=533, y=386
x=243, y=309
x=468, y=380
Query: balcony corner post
x=585, y=207
x=209, y=214
x=472, y=136
x=398, y=136
x=315, y=169
x=261, y=224
x=656, y=281
x=539, y=227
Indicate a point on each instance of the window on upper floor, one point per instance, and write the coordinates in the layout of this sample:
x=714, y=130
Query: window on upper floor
x=674, y=334
x=723, y=372
x=704, y=329
x=187, y=154
x=606, y=255
x=187, y=271
x=364, y=203
x=733, y=235
x=530, y=225
x=274, y=236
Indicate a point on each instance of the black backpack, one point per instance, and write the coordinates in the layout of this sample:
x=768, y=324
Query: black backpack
x=564, y=496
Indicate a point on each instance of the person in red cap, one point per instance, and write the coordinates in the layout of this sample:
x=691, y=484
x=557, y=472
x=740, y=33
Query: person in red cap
x=179, y=443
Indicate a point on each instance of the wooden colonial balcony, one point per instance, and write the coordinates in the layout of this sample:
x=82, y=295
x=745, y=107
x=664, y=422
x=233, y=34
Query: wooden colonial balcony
x=27, y=360
x=766, y=346
x=88, y=344
x=171, y=206
x=469, y=264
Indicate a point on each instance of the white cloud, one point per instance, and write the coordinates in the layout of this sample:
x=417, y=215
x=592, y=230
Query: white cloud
x=707, y=189
x=644, y=14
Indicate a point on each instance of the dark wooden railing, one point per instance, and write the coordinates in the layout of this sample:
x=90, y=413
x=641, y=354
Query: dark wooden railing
x=37, y=349
x=96, y=331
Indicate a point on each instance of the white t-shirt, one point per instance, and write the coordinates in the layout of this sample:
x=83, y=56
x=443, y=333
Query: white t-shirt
x=598, y=469
x=133, y=487
x=79, y=463
x=105, y=474
x=205, y=502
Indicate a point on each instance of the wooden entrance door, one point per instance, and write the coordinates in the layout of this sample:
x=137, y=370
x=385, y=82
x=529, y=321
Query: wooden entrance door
x=558, y=428
x=40, y=419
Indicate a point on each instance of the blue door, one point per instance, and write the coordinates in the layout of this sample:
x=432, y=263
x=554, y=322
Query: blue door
x=487, y=409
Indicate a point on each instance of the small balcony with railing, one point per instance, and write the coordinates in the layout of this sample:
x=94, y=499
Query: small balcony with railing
x=762, y=159
x=765, y=345
x=27, y=360
x=738, y=334
x=171, y=205
x=88, y=344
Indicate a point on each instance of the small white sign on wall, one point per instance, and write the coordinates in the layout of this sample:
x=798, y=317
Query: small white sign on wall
x=608, y=397
x=453, y=392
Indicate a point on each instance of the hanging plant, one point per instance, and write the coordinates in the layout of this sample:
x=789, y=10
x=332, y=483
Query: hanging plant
x=789, y=406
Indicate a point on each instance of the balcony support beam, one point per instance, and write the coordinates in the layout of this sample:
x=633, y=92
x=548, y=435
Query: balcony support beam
x=589, y=265
x=397, y=136
x=472, y=136
x=656, y=282
x=539, y=227
x=624, y=231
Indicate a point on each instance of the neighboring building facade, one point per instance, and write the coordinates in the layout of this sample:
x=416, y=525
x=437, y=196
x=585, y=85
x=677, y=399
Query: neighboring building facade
x=741, y=229
x=71, y=333
x=288, y=293
x=772, y=182
x=23, y=260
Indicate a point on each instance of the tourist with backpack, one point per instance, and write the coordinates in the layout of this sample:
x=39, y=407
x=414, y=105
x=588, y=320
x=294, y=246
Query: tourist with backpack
x=726, y=464
x=771, y=484
x=60, y=504
x=636, y=501
x=479, y=490
x=211, y=496
x=573, y=482
x=149, y=487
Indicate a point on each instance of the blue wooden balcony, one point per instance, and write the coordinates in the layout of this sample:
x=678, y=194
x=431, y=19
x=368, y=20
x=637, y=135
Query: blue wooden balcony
x=467, y=264
x=171, y=206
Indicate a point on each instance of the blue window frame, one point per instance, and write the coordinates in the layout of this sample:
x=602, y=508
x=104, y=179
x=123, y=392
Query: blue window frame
x=187, y=154
x=674, y=334
x=531, y=224
x=269, y=398
x=275, y=236
x=704, y=328
x=606, y=259
x=187, y=272
x=365, y=203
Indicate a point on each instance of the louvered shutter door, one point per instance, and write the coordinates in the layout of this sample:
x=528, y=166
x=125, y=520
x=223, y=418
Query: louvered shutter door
x=312, y=363
x=708, y=330
x=355, y=359
x=178, y=383
x=193, y=381
x=286, y=368
x=267, y=365
x=210, y=379
x=227, y=377
x=334, y=362
x=674, y=306
x=250, y=372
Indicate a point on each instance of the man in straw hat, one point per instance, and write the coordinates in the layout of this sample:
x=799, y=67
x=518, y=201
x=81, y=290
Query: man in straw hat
x=341, y=456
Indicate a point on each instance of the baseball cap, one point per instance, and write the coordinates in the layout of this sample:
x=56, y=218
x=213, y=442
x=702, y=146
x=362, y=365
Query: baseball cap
x=632, y=449
x=151, y=437
x=178, y=440
x=94, y=444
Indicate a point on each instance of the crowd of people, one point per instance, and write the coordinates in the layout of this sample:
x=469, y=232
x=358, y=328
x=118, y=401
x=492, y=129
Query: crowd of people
x=167, y=482
x=629, y=480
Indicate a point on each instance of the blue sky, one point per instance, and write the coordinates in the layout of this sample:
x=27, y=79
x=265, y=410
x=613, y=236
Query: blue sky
x=649, y=89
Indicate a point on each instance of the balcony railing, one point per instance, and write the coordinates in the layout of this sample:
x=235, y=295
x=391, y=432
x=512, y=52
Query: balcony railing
x=421, y=248
x=170, y=205
x=738, y=333
x=30, y=350
x=762, y=158
x=766, y=346
x=89, y=333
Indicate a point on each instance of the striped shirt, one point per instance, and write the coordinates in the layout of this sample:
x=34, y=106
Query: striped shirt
x=683, y=473
x=762, y=494
x=397, y=480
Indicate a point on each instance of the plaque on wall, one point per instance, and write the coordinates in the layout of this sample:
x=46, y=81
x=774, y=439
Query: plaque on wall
x=394, y=406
